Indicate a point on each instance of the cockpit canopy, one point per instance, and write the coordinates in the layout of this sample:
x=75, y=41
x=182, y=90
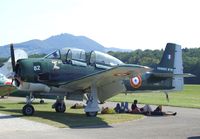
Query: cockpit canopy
x=75, y=54
x=78, y=57
x=68, y=54
x=104, y=59
x=54, y=55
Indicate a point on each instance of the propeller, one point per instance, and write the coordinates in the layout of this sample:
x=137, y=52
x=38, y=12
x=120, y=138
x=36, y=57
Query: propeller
x=12, y=57
x=15, y=82
x=15, y=55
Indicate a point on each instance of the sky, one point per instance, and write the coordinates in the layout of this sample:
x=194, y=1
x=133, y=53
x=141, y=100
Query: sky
x=127, y=24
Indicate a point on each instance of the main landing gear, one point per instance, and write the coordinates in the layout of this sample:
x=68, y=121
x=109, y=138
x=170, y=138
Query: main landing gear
x=28, y=109
x=59, y=105
x=92, y=107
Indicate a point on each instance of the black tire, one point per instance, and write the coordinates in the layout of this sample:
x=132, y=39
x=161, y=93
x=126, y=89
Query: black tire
x=59, y=107
x=28, y=110
x=91, y=114
x=41, y=101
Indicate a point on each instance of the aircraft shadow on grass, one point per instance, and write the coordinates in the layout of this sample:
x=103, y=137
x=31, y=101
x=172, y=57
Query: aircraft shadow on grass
x=72, y=120
x=9, y=116
x=35, y=103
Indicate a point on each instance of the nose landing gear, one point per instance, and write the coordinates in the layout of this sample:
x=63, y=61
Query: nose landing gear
x=28, y=109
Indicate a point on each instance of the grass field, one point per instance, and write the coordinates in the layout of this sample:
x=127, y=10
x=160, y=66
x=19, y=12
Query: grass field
x=189, y=97
x=71, y=118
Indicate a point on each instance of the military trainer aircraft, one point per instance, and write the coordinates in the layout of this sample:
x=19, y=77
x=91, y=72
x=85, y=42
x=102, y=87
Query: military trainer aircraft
x=70, y=73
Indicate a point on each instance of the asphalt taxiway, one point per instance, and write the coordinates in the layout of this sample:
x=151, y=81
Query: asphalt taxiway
x=185, y=125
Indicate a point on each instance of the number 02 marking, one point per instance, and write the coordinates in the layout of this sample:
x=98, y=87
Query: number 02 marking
x=36, y=68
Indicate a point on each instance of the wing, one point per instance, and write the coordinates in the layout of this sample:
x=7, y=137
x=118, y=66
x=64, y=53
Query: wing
x=105, y=77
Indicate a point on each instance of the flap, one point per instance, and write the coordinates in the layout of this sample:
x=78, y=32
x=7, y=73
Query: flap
x=171, y=75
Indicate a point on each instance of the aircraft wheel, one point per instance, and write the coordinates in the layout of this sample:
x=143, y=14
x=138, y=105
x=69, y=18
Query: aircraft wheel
x=59, y=107
x=91, y=114
x=28, y=110
x=41, y=101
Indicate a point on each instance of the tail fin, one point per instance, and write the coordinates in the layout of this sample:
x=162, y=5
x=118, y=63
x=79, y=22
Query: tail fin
x=171, y=62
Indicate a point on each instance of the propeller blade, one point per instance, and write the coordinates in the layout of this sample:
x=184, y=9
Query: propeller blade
x=12, y=57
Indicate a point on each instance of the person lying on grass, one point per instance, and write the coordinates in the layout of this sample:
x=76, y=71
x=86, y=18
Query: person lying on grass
x=107, y=110
x=147, y=110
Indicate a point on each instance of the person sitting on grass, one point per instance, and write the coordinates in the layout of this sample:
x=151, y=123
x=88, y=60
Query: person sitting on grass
x=134, y=108
x=123, y=108
x=118, y=108
x=144, y=110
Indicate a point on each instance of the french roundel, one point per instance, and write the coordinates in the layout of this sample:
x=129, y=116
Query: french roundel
x=136, y=81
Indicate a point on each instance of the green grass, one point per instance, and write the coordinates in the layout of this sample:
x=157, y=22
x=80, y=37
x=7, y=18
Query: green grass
x=71, y=118
x=189, y=97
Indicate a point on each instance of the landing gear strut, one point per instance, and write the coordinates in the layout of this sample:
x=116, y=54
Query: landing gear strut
x=92, y=107
x=28, y=109
x=59, y=105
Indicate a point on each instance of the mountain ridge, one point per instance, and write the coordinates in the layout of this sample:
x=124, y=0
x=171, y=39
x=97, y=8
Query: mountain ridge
x=36, y=46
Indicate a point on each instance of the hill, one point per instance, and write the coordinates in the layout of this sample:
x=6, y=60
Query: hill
x=57, y=42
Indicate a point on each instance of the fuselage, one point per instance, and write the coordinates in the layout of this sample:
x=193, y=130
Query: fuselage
x=57, y=69
x=52, y=71
x=149, y=83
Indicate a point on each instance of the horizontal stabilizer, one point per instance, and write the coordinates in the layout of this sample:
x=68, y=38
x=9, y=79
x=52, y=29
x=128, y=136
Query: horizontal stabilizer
x=188, y=75
x=170, y=75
